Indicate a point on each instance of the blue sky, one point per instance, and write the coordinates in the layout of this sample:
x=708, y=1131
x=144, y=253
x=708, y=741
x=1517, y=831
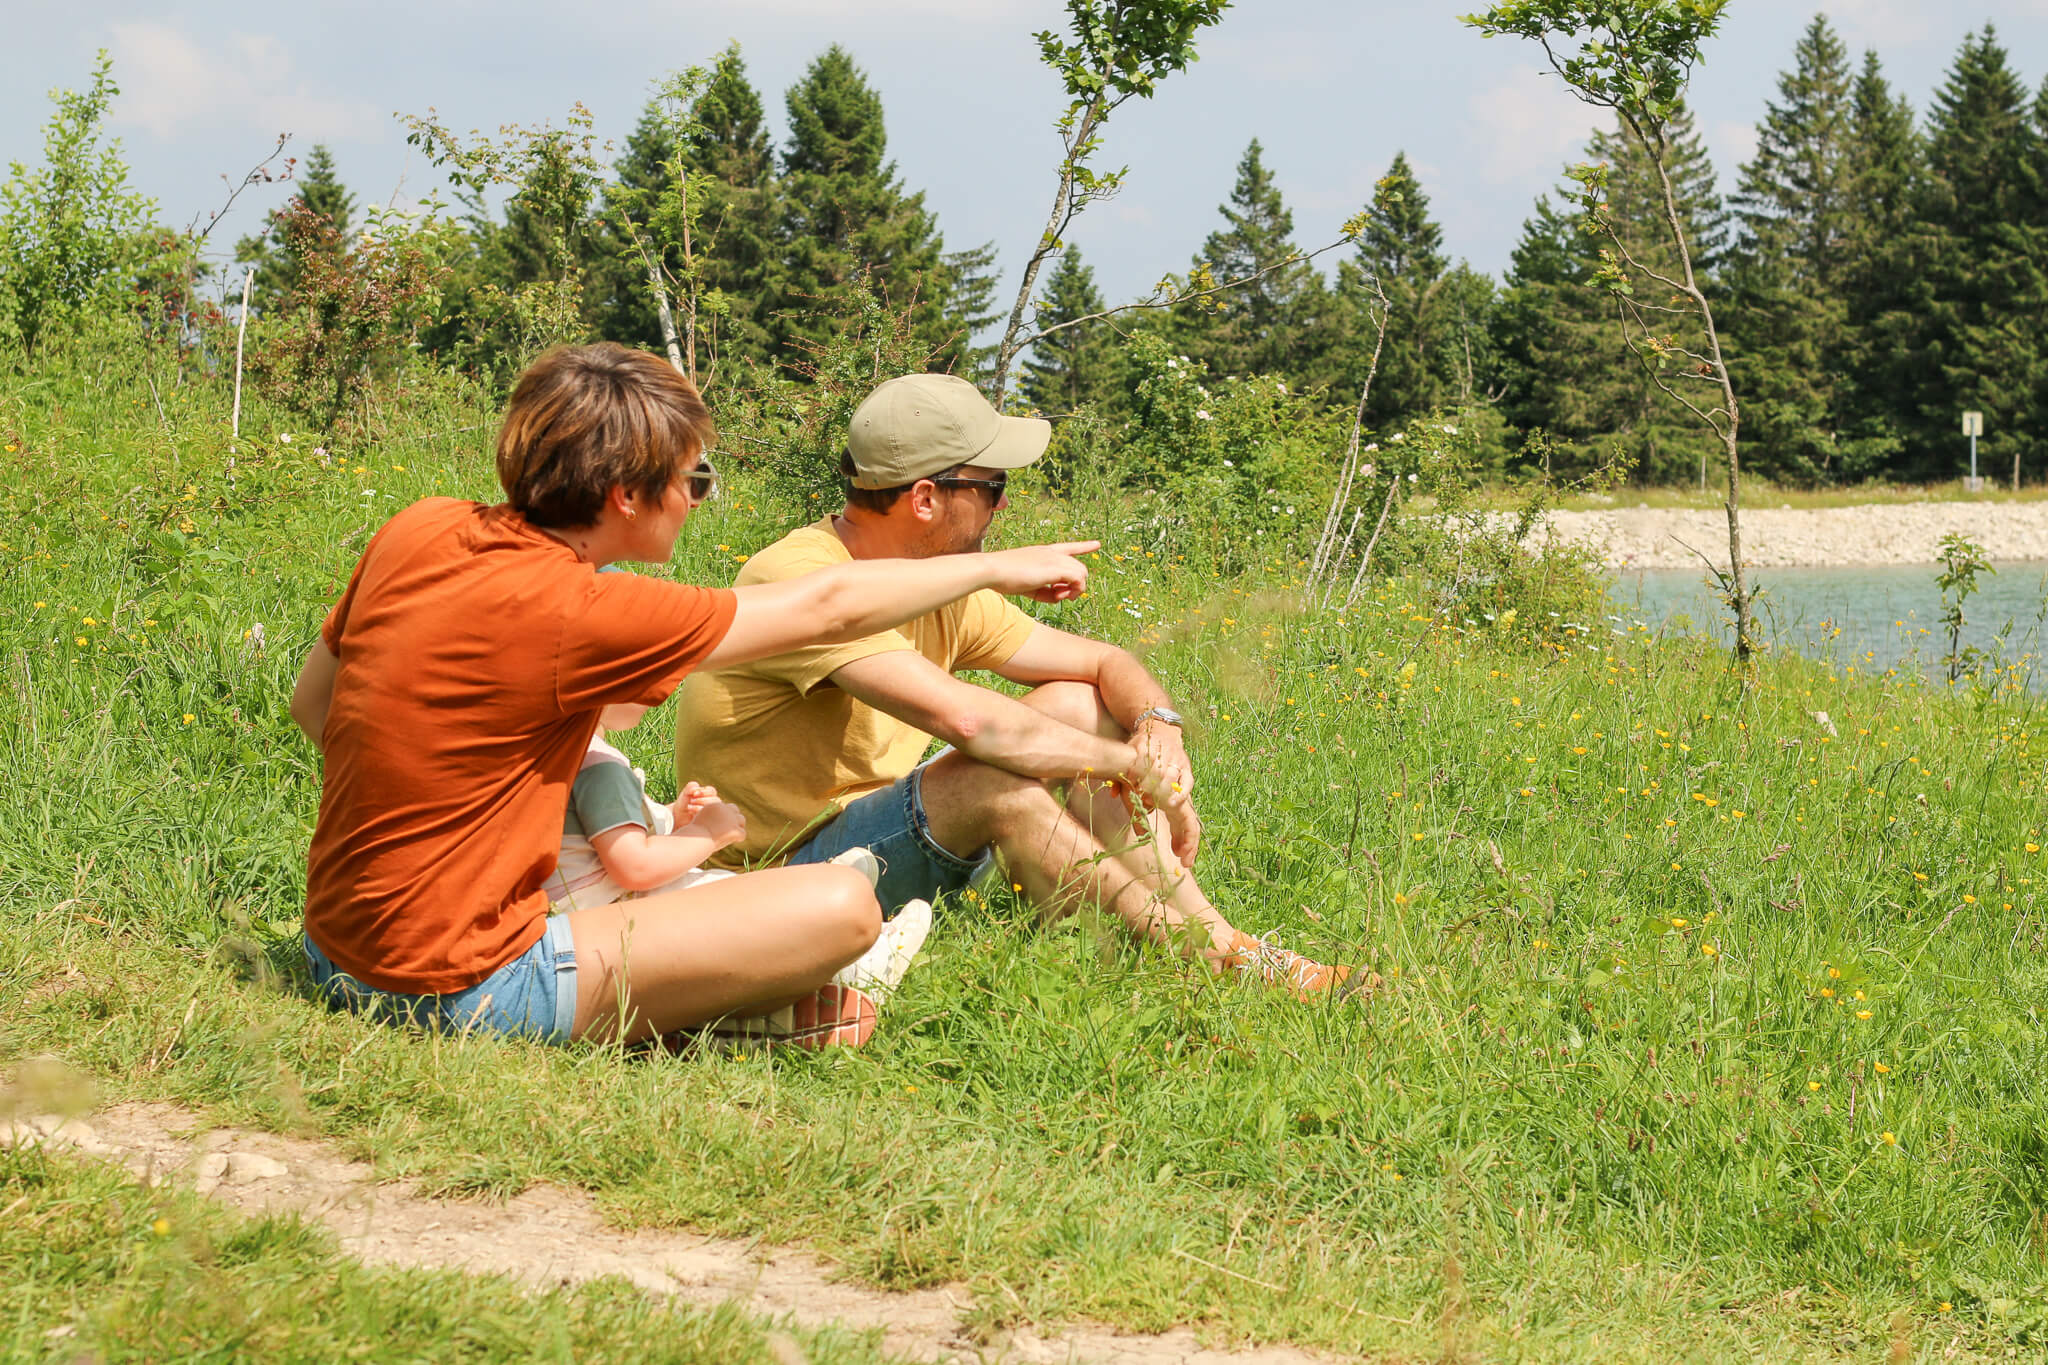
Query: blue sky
x=1332, y=90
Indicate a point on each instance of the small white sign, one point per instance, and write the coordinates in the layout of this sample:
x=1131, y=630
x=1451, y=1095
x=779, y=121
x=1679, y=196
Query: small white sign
x=1973, y=424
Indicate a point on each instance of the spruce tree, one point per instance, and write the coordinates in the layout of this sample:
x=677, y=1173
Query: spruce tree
x=1256, y=328
x=1403, y=248
x=1787, y=275
x=1067, y=369
x=846, y=217
x=277, y=254
x=735, y=245
x=1965, y=331
x=1883, y=167
x=1565, y=366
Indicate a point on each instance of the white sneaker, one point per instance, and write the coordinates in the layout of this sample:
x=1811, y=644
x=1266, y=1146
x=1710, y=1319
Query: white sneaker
x=878, y=971
x=860, y=860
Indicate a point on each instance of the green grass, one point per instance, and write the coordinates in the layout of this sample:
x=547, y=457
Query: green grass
x=1569, y=1131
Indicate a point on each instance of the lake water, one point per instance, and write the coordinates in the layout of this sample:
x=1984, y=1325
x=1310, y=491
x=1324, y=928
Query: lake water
x=1888, y=616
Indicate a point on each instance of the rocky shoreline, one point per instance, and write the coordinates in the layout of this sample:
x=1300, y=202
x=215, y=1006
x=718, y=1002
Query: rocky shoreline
x=1779, y=537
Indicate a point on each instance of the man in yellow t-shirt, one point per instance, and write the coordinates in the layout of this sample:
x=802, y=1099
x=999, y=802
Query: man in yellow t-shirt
x=821, y=747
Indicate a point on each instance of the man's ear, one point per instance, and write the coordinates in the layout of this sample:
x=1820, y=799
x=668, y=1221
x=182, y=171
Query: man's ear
x=924, y=500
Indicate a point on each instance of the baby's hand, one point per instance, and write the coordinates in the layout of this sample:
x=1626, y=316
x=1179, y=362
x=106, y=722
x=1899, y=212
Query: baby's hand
x=695, y=798
x=719, y=821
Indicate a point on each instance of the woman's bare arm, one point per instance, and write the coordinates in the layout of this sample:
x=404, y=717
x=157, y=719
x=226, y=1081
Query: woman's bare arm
x=847, y=601
x=315, y=692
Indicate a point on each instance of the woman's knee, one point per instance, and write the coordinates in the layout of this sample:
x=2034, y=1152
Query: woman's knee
x=846, y=911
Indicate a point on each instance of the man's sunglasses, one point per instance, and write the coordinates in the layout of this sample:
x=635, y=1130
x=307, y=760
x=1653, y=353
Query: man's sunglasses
x=705, y=479
x=994, y=486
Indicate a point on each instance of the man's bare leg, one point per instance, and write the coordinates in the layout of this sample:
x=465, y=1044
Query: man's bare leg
x=1075, y=844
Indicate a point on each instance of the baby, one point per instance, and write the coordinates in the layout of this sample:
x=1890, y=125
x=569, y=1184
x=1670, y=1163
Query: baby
x=618, y=843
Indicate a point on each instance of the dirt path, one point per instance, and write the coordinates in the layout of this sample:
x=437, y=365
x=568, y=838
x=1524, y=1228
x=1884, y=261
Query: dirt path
x=552, y=1236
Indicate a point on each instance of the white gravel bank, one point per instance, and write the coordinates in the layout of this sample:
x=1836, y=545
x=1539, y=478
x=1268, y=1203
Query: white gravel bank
x=1777, y=537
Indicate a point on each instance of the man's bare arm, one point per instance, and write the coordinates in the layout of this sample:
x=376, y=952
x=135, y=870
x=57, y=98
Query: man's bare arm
x=985, y=725
x=1128, y=691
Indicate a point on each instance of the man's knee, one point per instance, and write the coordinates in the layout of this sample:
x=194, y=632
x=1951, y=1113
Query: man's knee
x=978, y=804
x=1078, y=704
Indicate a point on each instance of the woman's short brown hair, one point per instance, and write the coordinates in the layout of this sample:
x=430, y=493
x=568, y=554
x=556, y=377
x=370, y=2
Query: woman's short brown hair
x=587, y=419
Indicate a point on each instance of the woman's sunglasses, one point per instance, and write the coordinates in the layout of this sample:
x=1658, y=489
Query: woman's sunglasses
x=703, y=480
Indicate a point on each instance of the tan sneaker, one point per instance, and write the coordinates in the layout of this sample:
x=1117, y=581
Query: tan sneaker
x=832, y=1016
x=1305, y=978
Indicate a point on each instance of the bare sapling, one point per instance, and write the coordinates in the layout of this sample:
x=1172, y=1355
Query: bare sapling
x=1636, y=57
x=1118, y=49
x=241, y=332
x=1333, y=546
x=664, y=232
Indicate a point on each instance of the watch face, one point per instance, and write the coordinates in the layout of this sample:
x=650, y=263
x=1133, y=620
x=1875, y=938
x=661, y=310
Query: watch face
x=1167, y=714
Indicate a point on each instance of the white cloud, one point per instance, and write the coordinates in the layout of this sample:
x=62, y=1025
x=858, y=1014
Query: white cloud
x=171, y=85
x=1525, y=128
x=849, y=12
x=1884, y=23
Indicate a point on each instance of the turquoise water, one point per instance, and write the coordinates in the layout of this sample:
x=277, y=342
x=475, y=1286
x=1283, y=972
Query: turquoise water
x=1873, y=618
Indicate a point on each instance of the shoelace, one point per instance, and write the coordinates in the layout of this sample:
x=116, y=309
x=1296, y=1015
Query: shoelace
x=1274, y=964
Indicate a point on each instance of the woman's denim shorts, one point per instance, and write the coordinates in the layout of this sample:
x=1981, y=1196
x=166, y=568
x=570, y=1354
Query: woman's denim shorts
x=532, y=996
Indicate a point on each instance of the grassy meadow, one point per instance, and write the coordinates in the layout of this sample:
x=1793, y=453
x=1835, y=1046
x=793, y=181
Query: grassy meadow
x=1712, y=1032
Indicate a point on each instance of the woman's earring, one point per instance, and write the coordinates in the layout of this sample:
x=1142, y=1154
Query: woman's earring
x=631, y=514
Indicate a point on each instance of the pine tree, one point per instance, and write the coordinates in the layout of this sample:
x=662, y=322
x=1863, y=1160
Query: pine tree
x=1256, y=328
x=1965, y=333
x=1067, y=369
x=1883, y=169
x=1565, y=366
x=845, y=216
x=1787, y=276
x=736, y=246
x=275, y=258
x=1402, y=247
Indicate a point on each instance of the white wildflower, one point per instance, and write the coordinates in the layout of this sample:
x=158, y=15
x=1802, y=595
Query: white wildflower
x=1230, y=464
x=1411, y=476
x=1367, y=471
x=1202, y=413
x=1398, y=437
x=1371, y=448
x=284, y=438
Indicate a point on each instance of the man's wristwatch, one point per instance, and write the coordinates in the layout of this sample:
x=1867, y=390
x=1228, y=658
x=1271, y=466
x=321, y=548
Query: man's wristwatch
x=1165, y=713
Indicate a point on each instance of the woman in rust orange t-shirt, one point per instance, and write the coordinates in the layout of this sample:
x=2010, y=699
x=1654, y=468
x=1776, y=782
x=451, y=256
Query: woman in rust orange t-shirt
x=455, y=689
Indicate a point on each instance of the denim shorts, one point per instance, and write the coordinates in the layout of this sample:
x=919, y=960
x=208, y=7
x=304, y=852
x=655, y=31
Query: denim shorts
x=891, y=824
x=532, y=996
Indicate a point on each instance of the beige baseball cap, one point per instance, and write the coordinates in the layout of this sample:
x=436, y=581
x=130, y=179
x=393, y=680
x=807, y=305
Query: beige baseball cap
x=916, y=425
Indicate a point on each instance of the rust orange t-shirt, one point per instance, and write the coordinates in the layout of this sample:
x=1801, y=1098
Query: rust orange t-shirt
x=474, y=653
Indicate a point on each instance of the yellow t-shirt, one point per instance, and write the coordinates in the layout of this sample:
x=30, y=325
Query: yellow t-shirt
x=777, y=738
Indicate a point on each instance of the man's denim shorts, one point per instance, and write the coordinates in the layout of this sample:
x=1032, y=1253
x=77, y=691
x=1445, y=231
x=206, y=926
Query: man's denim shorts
x=532, y=996
x=891, y=824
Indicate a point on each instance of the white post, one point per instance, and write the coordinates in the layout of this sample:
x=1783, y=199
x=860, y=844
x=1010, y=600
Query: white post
x=241, y=329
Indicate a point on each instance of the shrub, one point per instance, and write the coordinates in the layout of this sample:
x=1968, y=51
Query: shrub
x=357, y=303
x=71, y=231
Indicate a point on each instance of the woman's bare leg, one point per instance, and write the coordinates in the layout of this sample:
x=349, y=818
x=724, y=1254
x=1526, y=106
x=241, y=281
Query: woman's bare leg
x=737, y=946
